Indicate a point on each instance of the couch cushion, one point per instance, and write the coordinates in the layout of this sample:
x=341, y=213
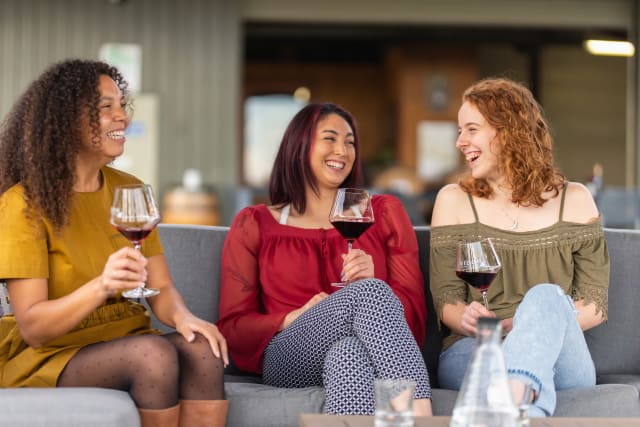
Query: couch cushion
x=607, y=400
x=261, y=405
x=633, y=380
x=433, y=343
x=67, y=407
x=443, y=401
x=193, y=254
x=615, y=345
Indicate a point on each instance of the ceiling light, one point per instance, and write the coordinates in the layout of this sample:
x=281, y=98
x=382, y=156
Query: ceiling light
x=609, y=47
x=302, y=94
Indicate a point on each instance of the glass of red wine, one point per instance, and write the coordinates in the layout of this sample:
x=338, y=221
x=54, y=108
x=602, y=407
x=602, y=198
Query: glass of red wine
x=477, y=263
x=135, y=213
x=351, y=215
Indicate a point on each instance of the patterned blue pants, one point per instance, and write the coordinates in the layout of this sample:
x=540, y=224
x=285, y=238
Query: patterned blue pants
x=343, y=343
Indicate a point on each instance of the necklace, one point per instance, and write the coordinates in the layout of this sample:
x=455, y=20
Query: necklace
x=514, y=221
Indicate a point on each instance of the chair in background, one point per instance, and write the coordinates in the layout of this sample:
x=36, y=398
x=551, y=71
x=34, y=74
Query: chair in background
x=619, y=207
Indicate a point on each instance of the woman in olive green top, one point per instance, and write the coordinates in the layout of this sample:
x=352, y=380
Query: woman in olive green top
x=65, y=266
x=547, y=232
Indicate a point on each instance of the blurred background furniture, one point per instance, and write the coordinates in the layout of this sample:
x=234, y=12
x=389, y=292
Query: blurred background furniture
x=619, y=207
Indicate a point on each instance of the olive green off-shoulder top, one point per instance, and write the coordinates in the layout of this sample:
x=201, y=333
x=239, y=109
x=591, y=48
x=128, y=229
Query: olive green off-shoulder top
x=571, y=255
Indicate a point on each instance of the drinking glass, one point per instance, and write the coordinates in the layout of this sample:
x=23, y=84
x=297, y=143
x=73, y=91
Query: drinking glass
x=523, y=406
x=135, y=213
x=394, y=402
x=477, y=263
x=351, y=215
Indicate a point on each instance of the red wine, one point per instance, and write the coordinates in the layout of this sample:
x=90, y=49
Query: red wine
x=479, y=280
x=351, y=230
x=135, y=234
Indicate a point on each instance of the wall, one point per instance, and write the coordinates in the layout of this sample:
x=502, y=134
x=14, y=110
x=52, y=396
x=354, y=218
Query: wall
x=191, y=61
x=584, y=100
x=547, y=13
x=360, y=88
x=414, y=67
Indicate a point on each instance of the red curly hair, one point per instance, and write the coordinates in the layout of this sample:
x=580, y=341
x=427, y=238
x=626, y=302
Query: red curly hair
x=524, y=141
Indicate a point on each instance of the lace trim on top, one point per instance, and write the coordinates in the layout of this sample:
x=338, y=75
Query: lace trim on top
x=448, y=297
x=563, y=233
x=598, y=296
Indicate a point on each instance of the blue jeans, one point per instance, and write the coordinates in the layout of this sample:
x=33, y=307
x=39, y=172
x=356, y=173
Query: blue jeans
x=546, y=348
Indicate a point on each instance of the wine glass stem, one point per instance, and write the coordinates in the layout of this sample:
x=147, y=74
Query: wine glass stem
x=349, y=245
x=484, y=299
x=137, y=246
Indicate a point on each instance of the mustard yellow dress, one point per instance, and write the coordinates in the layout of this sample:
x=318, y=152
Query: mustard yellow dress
x=68, y=259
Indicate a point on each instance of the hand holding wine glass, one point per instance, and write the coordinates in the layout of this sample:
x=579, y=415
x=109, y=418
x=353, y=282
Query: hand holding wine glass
x=135, y=213
x=477, y=263
x=351, y=215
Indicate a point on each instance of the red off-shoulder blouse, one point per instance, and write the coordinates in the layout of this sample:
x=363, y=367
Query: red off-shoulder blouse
x=270, y=269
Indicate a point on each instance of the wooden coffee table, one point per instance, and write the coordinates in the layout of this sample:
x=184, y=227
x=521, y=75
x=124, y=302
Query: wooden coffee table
x=321, y=420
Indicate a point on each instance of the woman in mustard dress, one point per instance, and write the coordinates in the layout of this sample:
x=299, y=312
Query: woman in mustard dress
x=65, y=266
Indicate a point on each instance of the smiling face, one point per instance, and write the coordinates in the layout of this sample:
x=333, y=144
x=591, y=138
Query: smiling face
x=112, y=121
x=333, y=151
x=478, y=143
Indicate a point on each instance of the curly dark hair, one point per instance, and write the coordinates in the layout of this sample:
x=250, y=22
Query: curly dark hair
x=42, y=135
x=526, y=146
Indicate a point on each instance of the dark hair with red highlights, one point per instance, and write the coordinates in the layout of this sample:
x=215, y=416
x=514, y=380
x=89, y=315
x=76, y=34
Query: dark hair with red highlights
x=291, y=171
x=42, y=135
x=525, y=144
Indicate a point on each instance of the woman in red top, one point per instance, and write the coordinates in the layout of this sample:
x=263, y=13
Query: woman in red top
x=281, y=315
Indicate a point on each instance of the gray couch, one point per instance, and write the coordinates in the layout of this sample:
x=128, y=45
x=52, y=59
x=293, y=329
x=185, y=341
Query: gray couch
x=194, y=253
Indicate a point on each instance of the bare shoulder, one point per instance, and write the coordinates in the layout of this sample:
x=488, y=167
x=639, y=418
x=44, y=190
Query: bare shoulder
x=579, y=205
x=450, y=201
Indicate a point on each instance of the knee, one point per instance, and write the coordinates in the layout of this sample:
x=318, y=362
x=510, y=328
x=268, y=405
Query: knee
x=201, y=347
x=157, y=345
x=547, y=298
x=154, y=350
x=374, y=290
x=544, y=293
x=198, y=352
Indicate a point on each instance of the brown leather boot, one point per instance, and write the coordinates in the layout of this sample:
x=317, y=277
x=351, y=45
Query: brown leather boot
x=201, y=413
x=160, y=417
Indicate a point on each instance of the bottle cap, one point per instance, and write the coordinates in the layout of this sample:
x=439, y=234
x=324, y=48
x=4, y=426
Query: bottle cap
x=488, y=322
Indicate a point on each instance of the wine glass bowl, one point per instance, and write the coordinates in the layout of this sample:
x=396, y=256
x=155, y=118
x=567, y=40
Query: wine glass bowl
x=478, y=264
x=135, y=213
x=351, y=215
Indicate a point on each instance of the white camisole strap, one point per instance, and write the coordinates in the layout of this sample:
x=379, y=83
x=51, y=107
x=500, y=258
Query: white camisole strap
x=284, y=215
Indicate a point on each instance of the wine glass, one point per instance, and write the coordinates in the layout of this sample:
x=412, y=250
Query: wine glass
x=135, y=213
x=477, y=263
x=351, y=215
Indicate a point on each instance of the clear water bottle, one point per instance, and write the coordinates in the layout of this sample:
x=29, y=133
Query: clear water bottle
x=485, y=399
